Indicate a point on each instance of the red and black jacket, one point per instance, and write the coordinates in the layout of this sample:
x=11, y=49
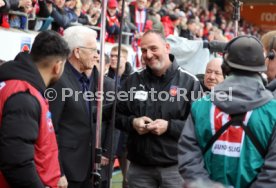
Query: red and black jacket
x=28, y=147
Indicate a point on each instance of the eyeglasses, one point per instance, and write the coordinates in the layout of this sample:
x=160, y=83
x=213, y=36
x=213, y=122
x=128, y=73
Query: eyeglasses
x=93, y=50
x=115, y=56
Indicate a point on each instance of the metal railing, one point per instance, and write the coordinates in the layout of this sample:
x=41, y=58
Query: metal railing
x=18, y=13
x=28, y=18
x=127, y=35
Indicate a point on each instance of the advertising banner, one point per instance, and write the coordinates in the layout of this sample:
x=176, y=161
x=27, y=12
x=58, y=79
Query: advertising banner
x=263, y=16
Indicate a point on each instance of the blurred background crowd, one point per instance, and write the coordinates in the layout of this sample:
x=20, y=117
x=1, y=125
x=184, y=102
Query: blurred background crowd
x=184, y=18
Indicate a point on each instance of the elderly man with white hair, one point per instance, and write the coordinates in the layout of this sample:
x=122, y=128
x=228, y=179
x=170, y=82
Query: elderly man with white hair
x=72, y=111
x=213, y=74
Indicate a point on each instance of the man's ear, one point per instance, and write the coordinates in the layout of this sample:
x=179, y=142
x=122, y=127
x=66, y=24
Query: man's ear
x=168, y=47
x=76, y=53
x=57, y=67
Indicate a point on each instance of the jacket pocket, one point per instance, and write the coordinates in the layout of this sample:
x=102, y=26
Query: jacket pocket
x=72, y=144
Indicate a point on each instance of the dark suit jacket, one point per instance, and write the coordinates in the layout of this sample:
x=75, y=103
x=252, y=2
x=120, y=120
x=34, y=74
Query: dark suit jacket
x=74, y=126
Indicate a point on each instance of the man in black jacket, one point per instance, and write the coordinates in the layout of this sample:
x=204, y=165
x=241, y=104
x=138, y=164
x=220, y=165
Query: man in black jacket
x=159, y=102
x=124, y=70
x=73, y=110
x=28, y=148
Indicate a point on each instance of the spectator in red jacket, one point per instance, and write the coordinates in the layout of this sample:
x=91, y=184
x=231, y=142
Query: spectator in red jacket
x=112, y=22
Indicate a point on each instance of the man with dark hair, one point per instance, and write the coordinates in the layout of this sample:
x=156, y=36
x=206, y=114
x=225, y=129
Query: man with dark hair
x=230, y=137
x=28, y=147
x=154, y=114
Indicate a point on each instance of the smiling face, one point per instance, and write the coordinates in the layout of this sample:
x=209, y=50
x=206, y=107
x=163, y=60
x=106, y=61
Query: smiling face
x=155, y=53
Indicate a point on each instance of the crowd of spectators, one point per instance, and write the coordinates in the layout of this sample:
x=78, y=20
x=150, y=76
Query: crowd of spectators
x=183, y=18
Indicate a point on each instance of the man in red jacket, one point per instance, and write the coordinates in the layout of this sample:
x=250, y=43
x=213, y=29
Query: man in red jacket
x=28, y=147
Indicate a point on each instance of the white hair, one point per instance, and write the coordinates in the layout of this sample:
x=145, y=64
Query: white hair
x=217, y=59
x=77, y=36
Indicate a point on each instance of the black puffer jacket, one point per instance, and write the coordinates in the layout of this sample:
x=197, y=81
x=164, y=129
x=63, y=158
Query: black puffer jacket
x=19, y=127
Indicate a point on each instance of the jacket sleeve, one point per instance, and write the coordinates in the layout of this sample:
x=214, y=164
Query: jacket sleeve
x=56, y=108
x=108, y=129
x=267, y=176
x=19, y=131
x=190, y=159
x=176, y=125
x=57, y=105
x=123, y=117
x=124, y=122
x=112, y=29
x=6, y=7
x=43, y=9
x=83, y=19
x=61, y=19
x=106, y=138
x=109, y=139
